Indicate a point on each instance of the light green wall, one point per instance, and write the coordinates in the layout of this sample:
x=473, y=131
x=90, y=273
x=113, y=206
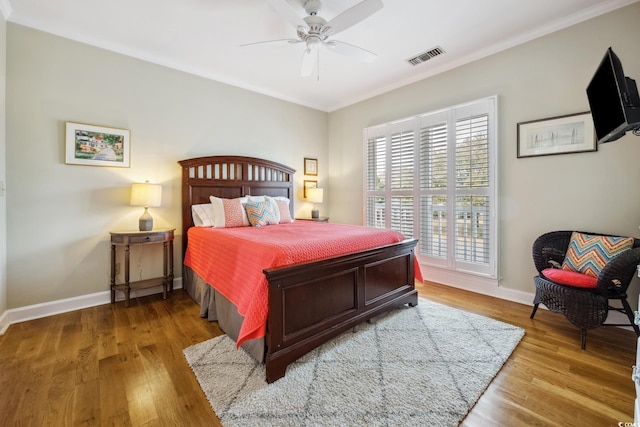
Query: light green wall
x=3, y=203
x=59, y=215
x=546, y=77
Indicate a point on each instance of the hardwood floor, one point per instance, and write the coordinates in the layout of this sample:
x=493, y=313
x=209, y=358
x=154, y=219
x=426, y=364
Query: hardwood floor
x=549, y=380
x=109, y=365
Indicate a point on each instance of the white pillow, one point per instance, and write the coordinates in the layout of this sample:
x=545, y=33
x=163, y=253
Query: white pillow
x=202, y=215
x=256, y=198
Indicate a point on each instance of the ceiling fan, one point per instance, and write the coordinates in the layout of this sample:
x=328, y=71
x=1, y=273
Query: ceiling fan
x=315, y=31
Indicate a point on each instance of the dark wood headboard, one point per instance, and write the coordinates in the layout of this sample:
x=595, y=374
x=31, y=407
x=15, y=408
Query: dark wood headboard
x=230, y=177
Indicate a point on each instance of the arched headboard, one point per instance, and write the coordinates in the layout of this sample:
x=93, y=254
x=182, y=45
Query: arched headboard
x=230, y=177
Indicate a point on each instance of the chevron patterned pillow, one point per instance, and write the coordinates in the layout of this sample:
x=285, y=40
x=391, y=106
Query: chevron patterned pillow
x=588, y=254
x=260, y=213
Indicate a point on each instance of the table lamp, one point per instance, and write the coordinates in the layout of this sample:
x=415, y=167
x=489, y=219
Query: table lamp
x=314, y=195
x=147, y=195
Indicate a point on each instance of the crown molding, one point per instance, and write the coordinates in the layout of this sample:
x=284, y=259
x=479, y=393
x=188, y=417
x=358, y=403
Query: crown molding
x=560, y=24
x=381, y=88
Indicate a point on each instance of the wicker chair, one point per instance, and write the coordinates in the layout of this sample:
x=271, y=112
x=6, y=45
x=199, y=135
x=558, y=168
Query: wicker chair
x=585, y=308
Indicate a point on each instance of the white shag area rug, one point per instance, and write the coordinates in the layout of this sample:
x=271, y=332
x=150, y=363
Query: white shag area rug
x=420, y=366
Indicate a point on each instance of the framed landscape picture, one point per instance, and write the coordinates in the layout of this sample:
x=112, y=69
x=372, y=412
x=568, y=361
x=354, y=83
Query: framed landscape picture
x=97, y=145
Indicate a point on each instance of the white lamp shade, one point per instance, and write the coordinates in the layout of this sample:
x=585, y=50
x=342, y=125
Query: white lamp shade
x=145, y=194
x=314, y=195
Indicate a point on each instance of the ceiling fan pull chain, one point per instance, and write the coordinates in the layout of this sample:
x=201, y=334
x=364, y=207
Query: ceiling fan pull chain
x=318, y=66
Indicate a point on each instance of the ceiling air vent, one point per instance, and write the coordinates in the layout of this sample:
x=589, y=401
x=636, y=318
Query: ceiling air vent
x=425, y=56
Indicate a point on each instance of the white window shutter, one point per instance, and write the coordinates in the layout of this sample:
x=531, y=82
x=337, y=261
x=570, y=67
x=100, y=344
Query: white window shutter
x=433, y=177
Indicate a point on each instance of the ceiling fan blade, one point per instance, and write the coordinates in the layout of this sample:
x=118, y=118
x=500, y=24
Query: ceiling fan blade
x=354, y=14
x=280, y=41
x=289, y=13
x=309, y=60
x=351, y=51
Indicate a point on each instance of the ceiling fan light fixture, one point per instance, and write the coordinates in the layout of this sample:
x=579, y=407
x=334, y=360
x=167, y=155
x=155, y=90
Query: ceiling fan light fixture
x=313, y=43
x=315, y=31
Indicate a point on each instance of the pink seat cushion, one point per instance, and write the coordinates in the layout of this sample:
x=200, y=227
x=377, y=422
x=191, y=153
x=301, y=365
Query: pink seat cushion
x=570, y=278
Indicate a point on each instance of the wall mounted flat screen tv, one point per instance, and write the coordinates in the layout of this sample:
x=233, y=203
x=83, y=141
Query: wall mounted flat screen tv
x=614, y=100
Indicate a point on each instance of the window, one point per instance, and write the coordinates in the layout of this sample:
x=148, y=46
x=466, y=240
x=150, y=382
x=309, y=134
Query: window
x=433, y=177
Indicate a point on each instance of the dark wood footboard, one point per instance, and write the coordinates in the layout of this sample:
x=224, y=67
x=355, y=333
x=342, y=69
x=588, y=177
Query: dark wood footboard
x=311, y=303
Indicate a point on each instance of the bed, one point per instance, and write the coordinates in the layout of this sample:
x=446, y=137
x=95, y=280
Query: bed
x=308, y=302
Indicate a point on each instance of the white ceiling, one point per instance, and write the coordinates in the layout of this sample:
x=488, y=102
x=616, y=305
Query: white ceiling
x=203, y=37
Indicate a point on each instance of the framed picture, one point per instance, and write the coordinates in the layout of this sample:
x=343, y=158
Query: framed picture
x=310, y=166
x=308, y=184
x=573, y=133
x=97, y=145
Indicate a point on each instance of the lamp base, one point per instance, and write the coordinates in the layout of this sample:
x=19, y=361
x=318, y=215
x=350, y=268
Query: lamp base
x=146, y=221
x=315, y=213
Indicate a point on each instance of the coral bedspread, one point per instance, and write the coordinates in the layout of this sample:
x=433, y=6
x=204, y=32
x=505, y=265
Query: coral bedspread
x=232, y=260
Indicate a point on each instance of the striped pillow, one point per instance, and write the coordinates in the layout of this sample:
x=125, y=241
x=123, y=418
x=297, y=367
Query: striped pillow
x=260, y=213
x=588, y=254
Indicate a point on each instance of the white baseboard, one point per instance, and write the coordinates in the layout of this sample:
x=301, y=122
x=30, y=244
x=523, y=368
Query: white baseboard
x=476, y=283
x=466, y=282
x=488, y=287
x=37, y=311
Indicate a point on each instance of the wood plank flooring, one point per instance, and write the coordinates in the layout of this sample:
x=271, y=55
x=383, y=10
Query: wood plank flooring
x=109, y=365
x=549, y=380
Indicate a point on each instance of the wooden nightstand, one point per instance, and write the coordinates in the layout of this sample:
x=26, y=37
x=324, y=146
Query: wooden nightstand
x=321, y=219
x=132, y=237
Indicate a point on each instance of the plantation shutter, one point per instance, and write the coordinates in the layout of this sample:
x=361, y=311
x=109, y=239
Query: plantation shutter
x=433, y=177
x=433, y=186
x=472, y=187
x=402, y=176
x=376, y=178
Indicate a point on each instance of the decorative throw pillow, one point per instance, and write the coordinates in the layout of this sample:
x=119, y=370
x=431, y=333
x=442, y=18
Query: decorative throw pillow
x=588, y=254
x=285, y=212
x=280, y=207
x=260, y=213
x=570, y=278
x=234, y=215
x=229, y=212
